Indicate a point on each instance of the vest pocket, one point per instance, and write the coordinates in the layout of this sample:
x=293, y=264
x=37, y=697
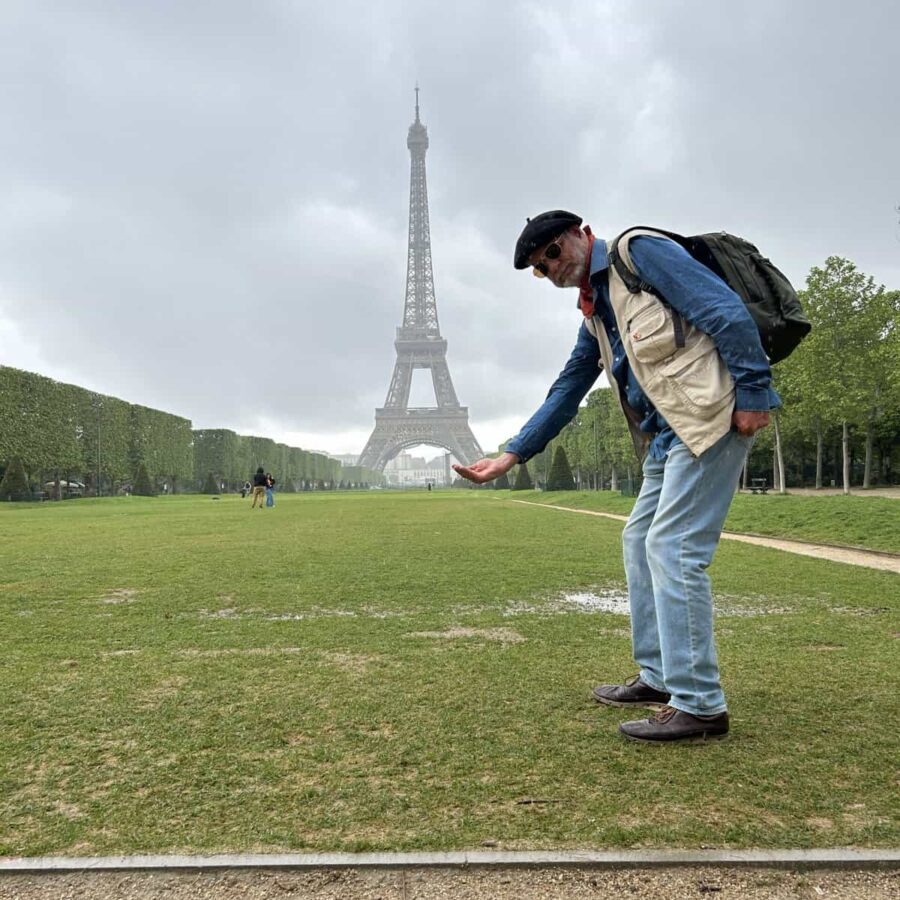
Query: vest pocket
x=700, y=378
x=651, y=333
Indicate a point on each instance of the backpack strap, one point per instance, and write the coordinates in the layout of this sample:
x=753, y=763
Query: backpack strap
x=637, y=285
x=634, y=284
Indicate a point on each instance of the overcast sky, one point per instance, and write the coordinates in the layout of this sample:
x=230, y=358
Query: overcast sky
x=203, y=203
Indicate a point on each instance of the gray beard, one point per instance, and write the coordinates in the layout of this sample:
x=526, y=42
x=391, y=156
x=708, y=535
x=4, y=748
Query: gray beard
x=577, y=276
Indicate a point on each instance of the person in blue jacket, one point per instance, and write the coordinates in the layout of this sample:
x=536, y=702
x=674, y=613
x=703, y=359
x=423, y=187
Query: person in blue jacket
x=686, y=361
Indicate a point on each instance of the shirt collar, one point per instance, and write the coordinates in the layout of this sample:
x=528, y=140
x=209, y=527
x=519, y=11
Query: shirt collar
x=599, y=260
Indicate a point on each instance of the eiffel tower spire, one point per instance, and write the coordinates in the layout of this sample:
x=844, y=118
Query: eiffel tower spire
x=419, y=345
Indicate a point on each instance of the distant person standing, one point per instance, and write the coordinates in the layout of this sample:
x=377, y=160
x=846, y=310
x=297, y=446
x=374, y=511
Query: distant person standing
x=259, y=488
x=270, y=489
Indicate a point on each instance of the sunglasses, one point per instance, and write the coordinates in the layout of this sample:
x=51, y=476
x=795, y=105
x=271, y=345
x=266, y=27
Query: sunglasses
x=540, y=269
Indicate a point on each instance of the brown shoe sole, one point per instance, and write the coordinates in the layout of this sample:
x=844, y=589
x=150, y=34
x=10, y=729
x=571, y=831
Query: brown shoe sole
x=636, y=704
x=703, y=738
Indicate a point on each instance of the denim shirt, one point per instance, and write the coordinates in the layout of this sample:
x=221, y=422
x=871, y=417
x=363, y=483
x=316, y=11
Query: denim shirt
x=698, y=295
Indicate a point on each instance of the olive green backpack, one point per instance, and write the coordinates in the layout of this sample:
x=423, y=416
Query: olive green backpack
x=765, y=290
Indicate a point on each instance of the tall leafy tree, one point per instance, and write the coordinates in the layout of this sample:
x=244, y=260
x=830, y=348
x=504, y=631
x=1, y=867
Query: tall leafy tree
x=840, y=371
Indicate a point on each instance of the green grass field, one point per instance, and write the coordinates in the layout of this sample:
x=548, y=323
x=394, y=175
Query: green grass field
x=382, y=671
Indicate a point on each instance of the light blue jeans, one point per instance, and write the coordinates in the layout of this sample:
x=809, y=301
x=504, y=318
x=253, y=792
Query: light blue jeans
x=669, y=542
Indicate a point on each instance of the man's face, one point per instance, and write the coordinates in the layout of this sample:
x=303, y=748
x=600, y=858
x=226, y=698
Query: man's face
x=563, y=260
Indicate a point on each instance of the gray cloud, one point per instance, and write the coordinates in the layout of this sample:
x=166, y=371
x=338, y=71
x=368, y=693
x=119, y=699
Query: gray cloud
x=205, y=204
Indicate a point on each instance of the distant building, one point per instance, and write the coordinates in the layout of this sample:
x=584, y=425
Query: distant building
x=413, y=471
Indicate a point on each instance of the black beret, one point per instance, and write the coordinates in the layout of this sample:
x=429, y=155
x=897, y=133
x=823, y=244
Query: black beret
x=541, y=230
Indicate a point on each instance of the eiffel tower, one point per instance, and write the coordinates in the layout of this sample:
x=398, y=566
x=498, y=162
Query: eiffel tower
x=419, y=346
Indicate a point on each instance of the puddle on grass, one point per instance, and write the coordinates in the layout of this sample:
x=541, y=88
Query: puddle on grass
x=615, y=601
x=611, y=600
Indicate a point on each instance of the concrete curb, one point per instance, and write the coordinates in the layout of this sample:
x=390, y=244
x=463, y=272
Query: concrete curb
x=838, y=858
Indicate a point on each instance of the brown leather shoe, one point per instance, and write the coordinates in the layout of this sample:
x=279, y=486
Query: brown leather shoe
x=633, y=693
x=671, y=724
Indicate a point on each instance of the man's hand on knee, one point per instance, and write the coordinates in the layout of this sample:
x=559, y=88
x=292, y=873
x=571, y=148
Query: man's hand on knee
x=748, y=422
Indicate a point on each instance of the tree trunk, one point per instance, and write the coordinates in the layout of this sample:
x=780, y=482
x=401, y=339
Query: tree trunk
x=870, y=439
x=845, y=451
x=780, y=483
x=819, y=450
x=614, y=481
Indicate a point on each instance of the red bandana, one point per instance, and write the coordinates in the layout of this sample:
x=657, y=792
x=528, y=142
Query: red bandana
x=586, y=297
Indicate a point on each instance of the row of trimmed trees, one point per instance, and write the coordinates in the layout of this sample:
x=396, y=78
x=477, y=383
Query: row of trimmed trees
x=840, y=422
x=224, y=459
x=63, y=435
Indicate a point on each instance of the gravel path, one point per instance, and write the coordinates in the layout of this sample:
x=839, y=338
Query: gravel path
x=891, y=493
x=459, y=884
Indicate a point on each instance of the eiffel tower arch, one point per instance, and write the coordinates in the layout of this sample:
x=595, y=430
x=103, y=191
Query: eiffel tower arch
x=419, y=345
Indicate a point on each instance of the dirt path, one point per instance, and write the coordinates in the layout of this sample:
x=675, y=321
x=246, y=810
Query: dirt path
x=891, y=493
x=458, y=884
x=884, y=561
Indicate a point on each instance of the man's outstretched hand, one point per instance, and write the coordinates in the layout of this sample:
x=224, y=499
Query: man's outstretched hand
x=487, y=469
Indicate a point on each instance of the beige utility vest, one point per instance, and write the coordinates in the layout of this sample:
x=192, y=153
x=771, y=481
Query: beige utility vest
x=690, y=385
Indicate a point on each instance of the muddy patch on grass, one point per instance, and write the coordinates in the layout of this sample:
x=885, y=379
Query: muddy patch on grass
x=501, y=635
x=303, y=615
x=67, y=810
x=227, y=613
x=194, y=652
x=357, y=663
x=119, y=595
x=750, y=612
x=861, y=610
x=314, y=613
x=159, y=693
